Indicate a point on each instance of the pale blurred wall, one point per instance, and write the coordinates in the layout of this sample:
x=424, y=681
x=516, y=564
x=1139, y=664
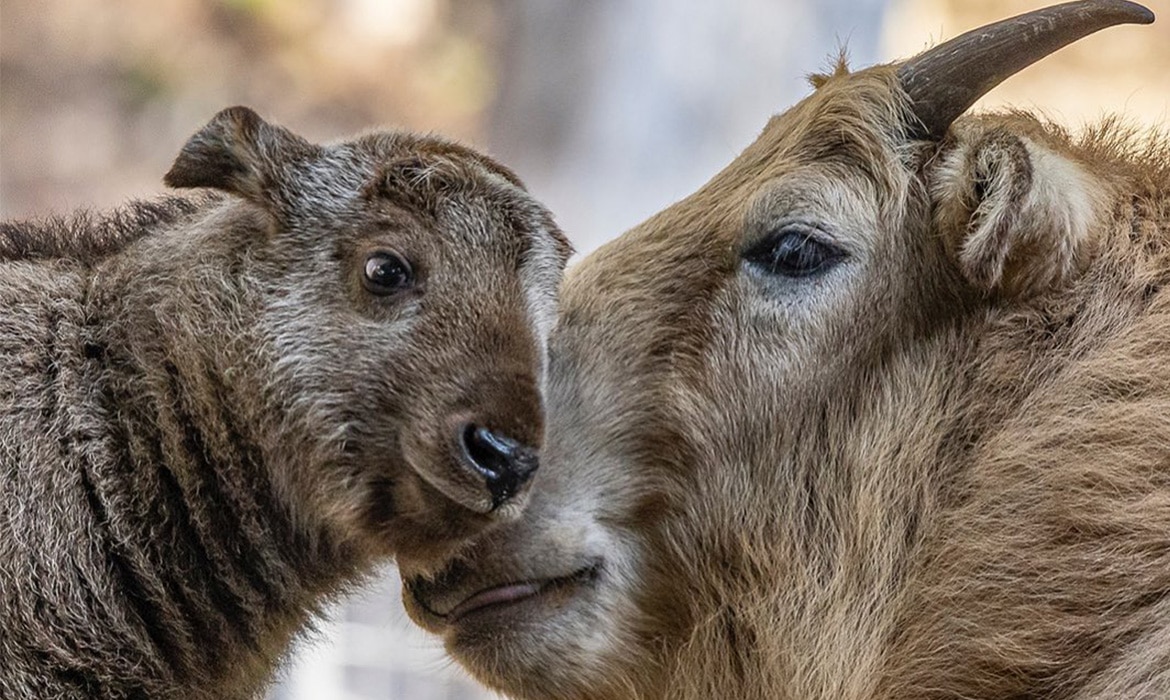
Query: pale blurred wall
x=610, y=110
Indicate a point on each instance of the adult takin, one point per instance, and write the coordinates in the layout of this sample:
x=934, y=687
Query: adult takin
x=881, y=411
x=219, y=411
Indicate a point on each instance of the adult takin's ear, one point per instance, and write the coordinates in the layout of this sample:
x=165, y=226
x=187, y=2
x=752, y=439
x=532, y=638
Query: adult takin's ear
x=1017, y=216
x=239, y=153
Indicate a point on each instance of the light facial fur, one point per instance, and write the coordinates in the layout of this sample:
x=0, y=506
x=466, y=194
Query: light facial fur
x=936, y=467
x=218, y=413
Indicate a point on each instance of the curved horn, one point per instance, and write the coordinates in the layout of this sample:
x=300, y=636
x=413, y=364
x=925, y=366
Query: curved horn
x=942, y=82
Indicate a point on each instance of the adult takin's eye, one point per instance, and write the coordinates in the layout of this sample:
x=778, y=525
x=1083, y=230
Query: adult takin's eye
x=793, y=250
x=387, y=273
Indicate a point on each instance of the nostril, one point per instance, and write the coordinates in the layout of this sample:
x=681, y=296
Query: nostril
x=489, y=453
x=504, y=463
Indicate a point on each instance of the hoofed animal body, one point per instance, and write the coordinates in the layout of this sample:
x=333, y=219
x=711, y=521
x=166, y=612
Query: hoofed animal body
x=882, y=411
x=217, y=412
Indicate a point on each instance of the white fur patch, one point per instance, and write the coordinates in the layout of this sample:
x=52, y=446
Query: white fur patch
x=1017, y=216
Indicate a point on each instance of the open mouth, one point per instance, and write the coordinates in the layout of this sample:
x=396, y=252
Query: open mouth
x=501, y=596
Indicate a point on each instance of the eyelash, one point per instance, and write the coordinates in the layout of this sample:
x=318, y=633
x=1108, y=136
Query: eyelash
x=794, y=251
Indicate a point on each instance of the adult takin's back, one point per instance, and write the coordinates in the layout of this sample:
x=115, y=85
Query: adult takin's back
x=218, y=411
x=881, y=411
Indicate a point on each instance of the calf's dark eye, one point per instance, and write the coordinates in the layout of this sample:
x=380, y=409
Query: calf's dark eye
x=794, y=250
x=387, y=273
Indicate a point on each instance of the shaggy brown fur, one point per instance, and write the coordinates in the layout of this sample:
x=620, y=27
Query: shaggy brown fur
x=939, y=468
x=209, y=425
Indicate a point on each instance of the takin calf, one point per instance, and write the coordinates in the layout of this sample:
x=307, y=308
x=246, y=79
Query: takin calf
x=882, y=411
x=219, y=412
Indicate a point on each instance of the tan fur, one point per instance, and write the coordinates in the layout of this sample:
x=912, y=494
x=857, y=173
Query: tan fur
x=939, y=470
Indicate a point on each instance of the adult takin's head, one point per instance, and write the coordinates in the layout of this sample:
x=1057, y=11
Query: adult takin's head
x=399, y=292
x=880, y=411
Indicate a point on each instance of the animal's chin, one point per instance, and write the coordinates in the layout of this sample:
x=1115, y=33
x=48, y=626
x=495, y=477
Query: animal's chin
x=499, y=609
x=542, y=635
x=508, y=600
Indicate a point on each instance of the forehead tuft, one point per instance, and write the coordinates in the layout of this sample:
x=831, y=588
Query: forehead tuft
x=853, y=125
x=840, y=69
x=440, y=148
x=428, y=173
x=461, y=165
x=853, y=119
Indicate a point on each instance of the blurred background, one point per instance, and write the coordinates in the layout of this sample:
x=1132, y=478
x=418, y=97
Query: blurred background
x=609, y=109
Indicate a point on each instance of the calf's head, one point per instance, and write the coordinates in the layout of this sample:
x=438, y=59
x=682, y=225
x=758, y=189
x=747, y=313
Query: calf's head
x=393, y=312
x=751, y=393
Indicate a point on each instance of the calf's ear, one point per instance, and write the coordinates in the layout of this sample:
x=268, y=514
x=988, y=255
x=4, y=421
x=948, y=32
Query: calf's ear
x=239, y=153
x=1017, y=216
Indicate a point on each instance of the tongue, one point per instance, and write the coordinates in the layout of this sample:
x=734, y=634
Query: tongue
x=494, y=596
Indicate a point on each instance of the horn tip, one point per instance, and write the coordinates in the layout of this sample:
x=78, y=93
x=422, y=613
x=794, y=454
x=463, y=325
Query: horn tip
x=1138, y=14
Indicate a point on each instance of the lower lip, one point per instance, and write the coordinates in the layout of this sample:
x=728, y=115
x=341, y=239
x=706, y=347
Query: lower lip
x=496, y=599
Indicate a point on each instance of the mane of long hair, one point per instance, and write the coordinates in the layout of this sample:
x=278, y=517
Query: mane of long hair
x=87, y=236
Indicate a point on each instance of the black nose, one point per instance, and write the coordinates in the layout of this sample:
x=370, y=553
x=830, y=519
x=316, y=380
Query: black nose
x=504, y=463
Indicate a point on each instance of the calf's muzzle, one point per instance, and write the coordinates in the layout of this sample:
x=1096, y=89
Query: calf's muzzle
x=504, y=462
